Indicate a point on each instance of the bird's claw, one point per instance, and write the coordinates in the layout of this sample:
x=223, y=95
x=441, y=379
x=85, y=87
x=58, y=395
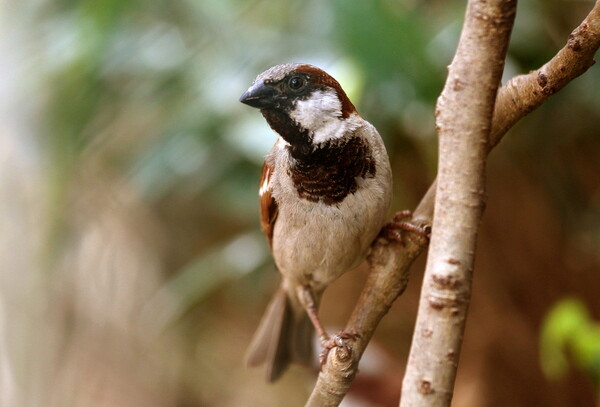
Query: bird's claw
x=401, y=223
x=342, y=341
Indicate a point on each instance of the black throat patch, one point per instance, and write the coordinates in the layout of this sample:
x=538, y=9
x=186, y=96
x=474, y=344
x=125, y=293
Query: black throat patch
x=287, y=128
x=328, y=172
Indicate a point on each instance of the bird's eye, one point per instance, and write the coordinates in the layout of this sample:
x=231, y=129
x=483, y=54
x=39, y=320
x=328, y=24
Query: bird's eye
x=296, y=82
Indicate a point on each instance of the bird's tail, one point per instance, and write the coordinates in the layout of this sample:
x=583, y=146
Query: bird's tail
x=284, y=336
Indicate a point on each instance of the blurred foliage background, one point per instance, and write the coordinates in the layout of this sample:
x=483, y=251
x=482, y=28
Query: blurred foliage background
x=132, y=268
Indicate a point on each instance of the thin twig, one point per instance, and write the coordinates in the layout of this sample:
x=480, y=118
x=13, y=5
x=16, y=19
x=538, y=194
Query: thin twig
x=390, y=263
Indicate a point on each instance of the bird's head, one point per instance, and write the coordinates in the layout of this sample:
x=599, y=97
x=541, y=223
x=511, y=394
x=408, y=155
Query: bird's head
x=302, y=103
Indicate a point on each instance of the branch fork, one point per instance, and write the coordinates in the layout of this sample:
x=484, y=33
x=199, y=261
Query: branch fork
x=390, y=260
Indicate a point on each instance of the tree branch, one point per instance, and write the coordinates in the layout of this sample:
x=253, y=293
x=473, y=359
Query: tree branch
x=464, y=121
x=390, y=263
x=525, y=93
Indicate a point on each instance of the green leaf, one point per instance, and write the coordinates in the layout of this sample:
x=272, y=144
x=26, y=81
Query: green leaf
x=569, y=335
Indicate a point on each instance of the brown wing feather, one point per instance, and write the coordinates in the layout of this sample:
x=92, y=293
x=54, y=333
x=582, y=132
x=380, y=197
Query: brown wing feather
x=268, y=206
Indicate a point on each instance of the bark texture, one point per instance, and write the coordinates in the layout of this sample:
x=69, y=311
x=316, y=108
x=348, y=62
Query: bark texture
x=390, y=263
x=464, y=119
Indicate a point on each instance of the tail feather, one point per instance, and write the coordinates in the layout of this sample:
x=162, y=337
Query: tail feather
x=283, y=336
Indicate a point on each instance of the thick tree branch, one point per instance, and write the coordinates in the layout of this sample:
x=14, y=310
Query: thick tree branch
x=390, y=263
x=464, y=121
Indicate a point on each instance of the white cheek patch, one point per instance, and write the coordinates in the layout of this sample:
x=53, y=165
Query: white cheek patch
x=320, y=114
x=319, y=103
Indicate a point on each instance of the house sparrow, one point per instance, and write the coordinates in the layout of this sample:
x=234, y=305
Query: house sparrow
x=325, y=193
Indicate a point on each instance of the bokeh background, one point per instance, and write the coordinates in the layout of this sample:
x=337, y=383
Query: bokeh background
x=132, y=268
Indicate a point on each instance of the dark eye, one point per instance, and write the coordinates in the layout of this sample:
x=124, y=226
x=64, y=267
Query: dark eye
x=296, y=82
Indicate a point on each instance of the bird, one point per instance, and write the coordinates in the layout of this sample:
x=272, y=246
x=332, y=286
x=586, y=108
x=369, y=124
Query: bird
x=324, y=196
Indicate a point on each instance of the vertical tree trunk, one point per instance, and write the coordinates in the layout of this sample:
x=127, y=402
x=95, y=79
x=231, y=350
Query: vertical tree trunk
x=464, y=119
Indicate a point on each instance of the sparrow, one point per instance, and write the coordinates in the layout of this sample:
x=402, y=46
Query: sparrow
x=325, y=193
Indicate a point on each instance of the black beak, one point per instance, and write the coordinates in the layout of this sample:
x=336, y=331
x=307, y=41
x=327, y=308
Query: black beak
x=259, y=95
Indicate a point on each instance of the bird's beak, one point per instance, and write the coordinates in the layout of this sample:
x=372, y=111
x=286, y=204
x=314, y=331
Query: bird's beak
x=259, y=95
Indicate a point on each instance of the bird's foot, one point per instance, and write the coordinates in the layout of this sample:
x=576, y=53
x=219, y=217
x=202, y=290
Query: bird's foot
x=392, y=231
x=341, y=340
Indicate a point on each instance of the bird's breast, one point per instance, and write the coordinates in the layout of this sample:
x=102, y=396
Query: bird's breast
x=315, y=242
x=332, y=171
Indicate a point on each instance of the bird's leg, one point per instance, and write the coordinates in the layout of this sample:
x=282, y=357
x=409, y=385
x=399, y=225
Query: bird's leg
x=339, y=340
x=401, y=223
x=308, y=301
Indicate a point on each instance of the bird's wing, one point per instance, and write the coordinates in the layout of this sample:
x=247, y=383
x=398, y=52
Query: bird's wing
x=268, y=205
